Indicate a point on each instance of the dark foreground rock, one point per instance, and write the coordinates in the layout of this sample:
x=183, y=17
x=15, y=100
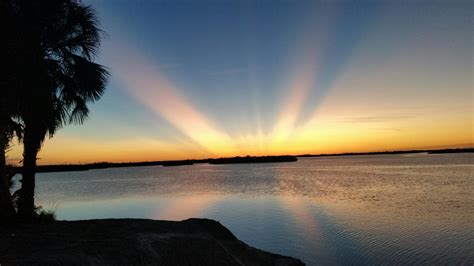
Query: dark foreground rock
x=130, y=242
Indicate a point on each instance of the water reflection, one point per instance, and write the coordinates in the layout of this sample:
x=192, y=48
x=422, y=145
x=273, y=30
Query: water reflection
x=184, y=207
x=358, y=210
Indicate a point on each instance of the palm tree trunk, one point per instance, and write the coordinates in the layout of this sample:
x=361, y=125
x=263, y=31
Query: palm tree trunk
x=7, y=210
x=26, y=203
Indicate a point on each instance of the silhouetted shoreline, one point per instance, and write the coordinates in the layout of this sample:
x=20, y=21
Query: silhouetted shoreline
x=440, y=151
x=229, y=160
x=252, y=159
x=130, y=241
x=103, y=165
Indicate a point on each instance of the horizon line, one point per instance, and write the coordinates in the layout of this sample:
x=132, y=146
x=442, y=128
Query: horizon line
x=469, y=148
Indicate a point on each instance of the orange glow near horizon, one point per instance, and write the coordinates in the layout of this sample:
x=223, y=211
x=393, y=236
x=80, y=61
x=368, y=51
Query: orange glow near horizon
x=335, y=139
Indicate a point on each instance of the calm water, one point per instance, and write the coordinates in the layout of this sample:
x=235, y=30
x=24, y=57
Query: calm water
x=402, y=209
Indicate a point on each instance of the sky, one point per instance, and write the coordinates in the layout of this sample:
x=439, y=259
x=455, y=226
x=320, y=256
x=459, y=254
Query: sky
x=200, y=79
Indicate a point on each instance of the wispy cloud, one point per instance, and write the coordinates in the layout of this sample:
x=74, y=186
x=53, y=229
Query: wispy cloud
x=374, y=119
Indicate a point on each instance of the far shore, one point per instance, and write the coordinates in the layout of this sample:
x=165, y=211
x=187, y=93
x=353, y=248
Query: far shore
x=438, y=151
x=228, y=160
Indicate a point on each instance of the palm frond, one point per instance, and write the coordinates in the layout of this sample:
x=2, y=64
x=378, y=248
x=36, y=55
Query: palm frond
x=90, y=78
x=77, y=32
x=80, y=112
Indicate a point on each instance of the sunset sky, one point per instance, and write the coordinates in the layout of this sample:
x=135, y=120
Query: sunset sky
x=198, y=79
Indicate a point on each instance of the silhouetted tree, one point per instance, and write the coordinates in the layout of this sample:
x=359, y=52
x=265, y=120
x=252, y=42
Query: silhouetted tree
x=11, y=66
x=60, y=39
x=7, y=209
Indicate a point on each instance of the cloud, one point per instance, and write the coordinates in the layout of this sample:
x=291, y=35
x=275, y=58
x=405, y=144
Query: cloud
x=374, y=119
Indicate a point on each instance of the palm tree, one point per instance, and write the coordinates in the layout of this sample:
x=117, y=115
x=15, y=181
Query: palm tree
x=9, y=126
x=10, y=81
x=7, y=209
x=62, y=38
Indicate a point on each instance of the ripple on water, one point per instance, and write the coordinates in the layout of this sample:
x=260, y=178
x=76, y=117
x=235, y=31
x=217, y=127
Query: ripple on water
x=390, y=209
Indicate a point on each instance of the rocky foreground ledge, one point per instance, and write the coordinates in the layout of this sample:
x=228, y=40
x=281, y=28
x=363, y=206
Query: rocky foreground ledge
x=130, y=242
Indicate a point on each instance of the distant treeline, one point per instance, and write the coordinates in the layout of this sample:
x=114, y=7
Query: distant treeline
x=235, y=160
x=252, y=159
x=103, y=165
x=460, y=150
x=230, y=160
